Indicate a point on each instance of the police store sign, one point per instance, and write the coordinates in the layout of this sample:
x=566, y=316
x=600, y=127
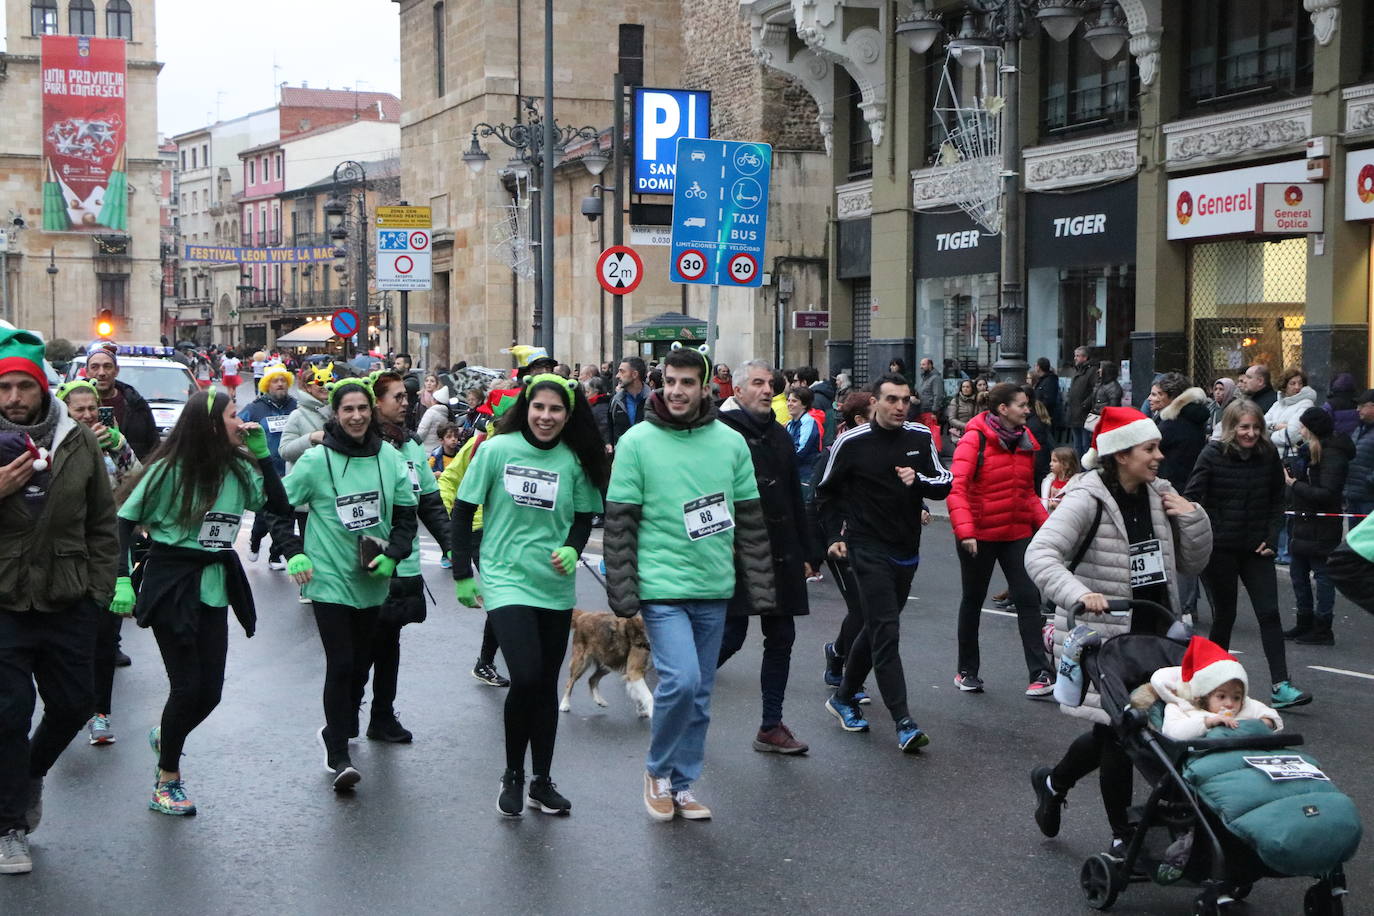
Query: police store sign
x=1225, y=203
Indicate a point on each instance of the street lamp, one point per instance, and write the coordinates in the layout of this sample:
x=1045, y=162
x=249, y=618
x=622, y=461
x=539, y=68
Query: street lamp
x=349, y=175
x=52, y=289
x=989, y=28
x=531, y=138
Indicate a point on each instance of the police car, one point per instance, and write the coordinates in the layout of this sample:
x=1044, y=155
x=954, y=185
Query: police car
x=164, y=383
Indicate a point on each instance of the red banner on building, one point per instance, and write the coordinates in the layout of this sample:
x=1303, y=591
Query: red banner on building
x=85, y=186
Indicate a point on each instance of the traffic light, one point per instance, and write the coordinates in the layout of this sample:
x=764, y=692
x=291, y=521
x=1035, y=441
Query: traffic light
x=104, y=323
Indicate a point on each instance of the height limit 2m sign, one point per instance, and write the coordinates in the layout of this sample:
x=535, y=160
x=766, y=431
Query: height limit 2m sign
x=403, y=243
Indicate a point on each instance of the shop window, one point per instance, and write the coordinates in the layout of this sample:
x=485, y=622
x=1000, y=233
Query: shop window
x=1247, y=306
x=1237, y=52
x=119, y=20
x=1081, y=307
x=861, y=295
x=1081, y=92
x=949, y=316
x=43, y=14
x=81, y=17
x=860, y=140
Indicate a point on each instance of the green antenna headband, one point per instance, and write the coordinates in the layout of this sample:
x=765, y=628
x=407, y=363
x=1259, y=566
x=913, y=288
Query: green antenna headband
x=566, y=384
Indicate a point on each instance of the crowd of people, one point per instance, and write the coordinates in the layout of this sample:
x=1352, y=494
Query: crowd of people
x=723, y=493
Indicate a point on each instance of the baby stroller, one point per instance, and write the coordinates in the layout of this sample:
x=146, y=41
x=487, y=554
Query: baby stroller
x=1250, y=816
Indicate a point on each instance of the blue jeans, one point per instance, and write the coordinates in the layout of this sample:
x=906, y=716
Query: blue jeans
x=685, y=641
x=1300, y=573
x=1082, y=440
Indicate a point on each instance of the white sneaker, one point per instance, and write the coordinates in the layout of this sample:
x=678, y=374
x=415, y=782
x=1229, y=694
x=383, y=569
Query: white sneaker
x=304, y=600
x=277, y=564
x=253, y=556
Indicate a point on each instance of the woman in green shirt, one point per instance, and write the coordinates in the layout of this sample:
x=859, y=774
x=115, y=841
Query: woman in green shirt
x=191, y=498
x=362, y=524
x=539, y=483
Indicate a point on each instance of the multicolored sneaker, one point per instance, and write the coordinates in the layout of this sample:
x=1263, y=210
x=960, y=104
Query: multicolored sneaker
x=155, y=739
x=170, y=798
x=99, y=729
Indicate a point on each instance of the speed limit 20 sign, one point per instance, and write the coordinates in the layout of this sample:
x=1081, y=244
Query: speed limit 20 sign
x=619, y=270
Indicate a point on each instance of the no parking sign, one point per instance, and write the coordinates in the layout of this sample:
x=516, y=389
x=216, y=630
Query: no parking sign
x=403, y=243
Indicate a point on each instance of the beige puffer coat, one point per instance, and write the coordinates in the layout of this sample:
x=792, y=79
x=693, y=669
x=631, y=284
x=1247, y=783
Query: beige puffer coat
x=1105, y=569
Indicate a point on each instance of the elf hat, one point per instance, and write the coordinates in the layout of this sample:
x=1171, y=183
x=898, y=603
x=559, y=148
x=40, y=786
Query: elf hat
x=22, y=351
x=1118, y=429
x=1206, y=666
x=272, y=372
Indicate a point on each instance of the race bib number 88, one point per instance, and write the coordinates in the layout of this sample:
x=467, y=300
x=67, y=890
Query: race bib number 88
x=706, y=516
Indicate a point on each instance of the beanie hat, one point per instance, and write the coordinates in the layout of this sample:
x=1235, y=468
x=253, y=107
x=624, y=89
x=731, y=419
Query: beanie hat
x=1318, y=422
x=22, y=351
x=274, y=372
x=1118, y=429
x=1206, y=666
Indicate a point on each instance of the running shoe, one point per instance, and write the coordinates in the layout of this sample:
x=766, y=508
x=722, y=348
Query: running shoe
x=851, y=720
x=388, y=727
x=170, y=798
x=278, y=564
x=345, y=775
x=122, y=660
x=15, y=858
x=778, y=740
x=1286, y=695
x=861, y=697
x=1042, y=686
x=545, y=796
x=1048, y=803
x=658, y=797
x=834, y=666
x=512, y=786
x=969, y=683
x=155, y=739
x=99, y=729
x=253, y=555
x=487, y=674
x=445, y=562
x=688, y=808
x=910, y=737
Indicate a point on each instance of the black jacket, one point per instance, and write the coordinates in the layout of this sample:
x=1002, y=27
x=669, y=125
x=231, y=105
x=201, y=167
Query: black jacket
x=1265, y=399
x=169, y=595
x=601, y=413
x=1243, y=495
x=1044, y=453
x=1106, y=393
x=789, y=535
x=1359, y=481
x=1183, y=431
x=861, y=497
x=1318, y=489
x=1047, y=393
x=1081, y=393
x=139, y=427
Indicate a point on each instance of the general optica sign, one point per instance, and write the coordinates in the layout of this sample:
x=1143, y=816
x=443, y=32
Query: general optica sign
x=85, y=185
x=1359, y=185
x=257, y=255
x=1223, y=203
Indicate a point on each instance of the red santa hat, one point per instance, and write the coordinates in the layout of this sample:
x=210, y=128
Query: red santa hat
x=1206, y=666
x=1118, y=429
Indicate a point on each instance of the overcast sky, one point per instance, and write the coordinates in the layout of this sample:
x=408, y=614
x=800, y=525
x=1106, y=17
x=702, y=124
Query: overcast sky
x=219, y=57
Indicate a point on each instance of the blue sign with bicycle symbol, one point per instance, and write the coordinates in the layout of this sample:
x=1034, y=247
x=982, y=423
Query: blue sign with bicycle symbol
x=720, y=212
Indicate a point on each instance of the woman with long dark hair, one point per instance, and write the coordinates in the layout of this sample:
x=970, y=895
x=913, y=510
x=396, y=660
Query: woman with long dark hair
x=539, y=483
x=362, y=524
x=191, y=498
x=1239, y=480
x=1316, y=480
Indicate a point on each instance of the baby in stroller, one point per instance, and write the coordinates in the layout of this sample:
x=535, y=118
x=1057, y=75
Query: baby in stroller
x=1209, y=689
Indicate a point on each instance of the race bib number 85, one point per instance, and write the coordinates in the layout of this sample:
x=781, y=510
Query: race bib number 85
x=706, y=516
x=218, y=530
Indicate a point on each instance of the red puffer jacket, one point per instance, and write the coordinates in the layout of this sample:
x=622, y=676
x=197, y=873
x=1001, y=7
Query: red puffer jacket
x=997, y=501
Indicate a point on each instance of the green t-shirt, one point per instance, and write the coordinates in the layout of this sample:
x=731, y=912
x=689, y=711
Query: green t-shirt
x=154, y=504
x=528, y=496
x=348, y=498
x=422, y=481
x=686, y=482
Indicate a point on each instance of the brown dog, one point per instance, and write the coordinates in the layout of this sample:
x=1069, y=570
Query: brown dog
x=609, y=643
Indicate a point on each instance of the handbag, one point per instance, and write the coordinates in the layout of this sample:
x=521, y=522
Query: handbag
x=1090, y=424
x=405, y=602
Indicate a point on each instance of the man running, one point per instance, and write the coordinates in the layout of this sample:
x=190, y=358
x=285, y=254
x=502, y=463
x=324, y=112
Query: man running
x=870, y=502
x=682, y=503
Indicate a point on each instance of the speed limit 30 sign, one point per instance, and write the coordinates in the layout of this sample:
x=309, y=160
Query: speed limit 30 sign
x=619, y=270
x=691, y=264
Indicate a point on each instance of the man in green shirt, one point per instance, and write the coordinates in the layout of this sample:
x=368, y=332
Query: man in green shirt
x=682, y=503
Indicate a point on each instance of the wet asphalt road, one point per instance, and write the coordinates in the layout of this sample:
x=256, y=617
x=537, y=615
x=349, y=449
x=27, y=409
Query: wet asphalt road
x=855, y=826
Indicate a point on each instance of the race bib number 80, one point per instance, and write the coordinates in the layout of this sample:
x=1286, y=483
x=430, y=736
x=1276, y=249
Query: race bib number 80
x=706, y=516
x=532, y=487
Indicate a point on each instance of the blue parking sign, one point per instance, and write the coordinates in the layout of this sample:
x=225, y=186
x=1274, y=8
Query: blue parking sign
x=720, y=212
x=661, y=118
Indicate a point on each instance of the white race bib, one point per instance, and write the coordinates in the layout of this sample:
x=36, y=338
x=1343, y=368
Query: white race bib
x=276, y=422
x=1286, y=766
x=414, y=476
x=532, y=487
x=359, y=510
x=218, y=530
x=706, y=516
x=1147, y=564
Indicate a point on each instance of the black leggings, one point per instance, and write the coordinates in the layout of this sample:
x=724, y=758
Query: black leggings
x=854, y=616
x=386, y=670
x=347, y=635
x=1099, y=750
x=106, y=648
x=195, y=670
x=976, y=572
x=1226, y=570
x=533, y=640
x=487, y=654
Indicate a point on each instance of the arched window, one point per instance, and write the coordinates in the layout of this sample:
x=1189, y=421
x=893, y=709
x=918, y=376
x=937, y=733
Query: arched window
x=119, y=20
x=44, y=17
x=81, y=17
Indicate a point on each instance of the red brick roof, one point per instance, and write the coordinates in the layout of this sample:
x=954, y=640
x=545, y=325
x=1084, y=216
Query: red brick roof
x=300, y=97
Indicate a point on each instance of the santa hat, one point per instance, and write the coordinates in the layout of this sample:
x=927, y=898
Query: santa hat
x=22, y=351
x=1118, y=429
x=1206, y=666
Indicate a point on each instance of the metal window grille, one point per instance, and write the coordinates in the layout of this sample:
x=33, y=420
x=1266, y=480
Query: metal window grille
x=1247, y=306
x=862, y=290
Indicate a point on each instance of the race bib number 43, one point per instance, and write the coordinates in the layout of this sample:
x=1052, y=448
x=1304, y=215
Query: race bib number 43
x=706, y=516
x=218, y=530
x=359, y=510
x=532, y=487
x=1147, y=564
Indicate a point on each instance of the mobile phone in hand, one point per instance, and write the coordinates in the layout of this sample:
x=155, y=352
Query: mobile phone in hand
x=107, y=417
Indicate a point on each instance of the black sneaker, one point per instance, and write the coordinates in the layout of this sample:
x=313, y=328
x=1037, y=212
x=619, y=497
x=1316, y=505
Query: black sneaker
x=386, y=727
x=345, y=775
x=508, y=802
x=486, y=673
x=544, y=795
x=122, y=660
x=968, y=683
x=1048, y=803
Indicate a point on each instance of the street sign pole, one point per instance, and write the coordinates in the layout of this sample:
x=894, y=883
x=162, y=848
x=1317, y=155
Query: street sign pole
x=712, y=314
x=618, y=224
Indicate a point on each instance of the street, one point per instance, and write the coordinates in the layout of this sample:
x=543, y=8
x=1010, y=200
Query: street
x=854, y=826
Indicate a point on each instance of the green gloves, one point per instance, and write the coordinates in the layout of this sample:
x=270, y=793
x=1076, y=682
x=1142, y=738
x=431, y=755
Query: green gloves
x=468, y=592
x=123, y=601
x=568, y=557
x=298, y=564
x=382, y=567
x=112, y=440
x=255, y=440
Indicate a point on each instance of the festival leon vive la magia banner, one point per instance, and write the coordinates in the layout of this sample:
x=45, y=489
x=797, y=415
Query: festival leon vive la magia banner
x=85, y=185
